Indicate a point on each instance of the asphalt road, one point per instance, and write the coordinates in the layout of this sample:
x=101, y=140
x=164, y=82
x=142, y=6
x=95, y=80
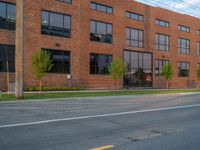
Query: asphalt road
x=149, y=122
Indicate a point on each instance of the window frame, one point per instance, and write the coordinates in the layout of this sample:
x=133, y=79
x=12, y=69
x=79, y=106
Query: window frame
x=182, y=27
x=157, y=66
x=63, y=62
x=7, y=58
x=98, y=4
x=7, y=21
x=50, y=26
x=130, y=39
x=96, y=70
x=137, y=14
x=180, y=63
x=198, y=48
x=158, y=44
x=181, y=48
x=159, y=21
x=64, y=1
x=95, y=35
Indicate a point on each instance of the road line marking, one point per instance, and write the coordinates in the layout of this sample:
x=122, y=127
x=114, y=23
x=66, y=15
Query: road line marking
x=100, y=116
x=103, y=147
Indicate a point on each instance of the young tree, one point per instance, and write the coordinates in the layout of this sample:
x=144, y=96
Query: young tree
x=117, y=69
x=41, y=63
x=167, y=73
x=198, y=72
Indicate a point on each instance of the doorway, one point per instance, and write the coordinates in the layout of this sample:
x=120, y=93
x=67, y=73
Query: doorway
x=139, y=69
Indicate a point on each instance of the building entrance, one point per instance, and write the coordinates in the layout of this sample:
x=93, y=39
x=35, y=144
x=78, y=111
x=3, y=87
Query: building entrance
x=139, y=69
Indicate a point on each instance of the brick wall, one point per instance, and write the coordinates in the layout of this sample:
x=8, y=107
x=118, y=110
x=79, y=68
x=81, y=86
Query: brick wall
x=80, y=46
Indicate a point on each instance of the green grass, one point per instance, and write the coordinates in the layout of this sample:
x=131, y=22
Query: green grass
x=5, y=97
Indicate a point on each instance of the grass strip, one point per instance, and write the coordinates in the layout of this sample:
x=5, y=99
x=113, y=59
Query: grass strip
x=78, y=94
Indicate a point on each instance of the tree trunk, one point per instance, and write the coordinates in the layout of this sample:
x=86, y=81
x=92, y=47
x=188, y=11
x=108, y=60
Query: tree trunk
x=167, y=84
x=40, y=87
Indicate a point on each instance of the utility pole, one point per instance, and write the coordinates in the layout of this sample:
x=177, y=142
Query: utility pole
x=19, y=49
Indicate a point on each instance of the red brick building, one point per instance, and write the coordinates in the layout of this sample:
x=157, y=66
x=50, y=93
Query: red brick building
x=83, y=36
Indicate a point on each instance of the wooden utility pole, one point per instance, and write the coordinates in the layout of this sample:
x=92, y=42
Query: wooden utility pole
x=19, y=49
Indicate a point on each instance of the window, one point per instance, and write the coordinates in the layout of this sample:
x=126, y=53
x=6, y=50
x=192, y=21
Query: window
x=139, y=69
x=61, y=61
x=134, y=37
x=102, y=8
x=183, y=46
x=7, y=16
x=134, y=16
x=158, y=66
x=100, y=32
x=55, y=24
x=66, y=1
x=162, y=23
x=198, y=48
x=162, y=42
x=198, y=32
x=99, y=64
x=184, y=69
x=7, y=58
x=183, y=28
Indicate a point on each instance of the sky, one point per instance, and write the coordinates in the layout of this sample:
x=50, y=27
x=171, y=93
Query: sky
x=191, y=7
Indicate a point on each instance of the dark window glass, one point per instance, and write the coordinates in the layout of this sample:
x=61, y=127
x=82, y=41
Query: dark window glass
x=66, y=1
x=139, y=69
x=198, y=48
x=7, y=58
x=100, y=32
x=55, y=24
x=158, y=66
x=99, y=64
x=183, y=28
x=7, y=16
x=162, y=23
x=102, y=8
x=61, y=61
x=198, y=32
x=134, y=16
x=184, y=69
x=162, y=42
x=183, y=46
x=134, y=37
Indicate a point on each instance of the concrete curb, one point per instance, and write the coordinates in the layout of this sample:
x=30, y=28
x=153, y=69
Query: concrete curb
x=96, y=97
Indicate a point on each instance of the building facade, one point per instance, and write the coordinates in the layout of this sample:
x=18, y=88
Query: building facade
x=84, y=36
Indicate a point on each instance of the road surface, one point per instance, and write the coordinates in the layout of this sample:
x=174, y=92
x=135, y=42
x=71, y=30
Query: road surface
x=148, y=122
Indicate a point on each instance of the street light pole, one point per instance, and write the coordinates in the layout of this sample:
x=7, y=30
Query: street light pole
x=19, y=49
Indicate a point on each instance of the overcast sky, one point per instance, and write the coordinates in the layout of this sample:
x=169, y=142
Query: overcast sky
x=184, y=6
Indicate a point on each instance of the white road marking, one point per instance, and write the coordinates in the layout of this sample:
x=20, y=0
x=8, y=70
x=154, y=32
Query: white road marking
x=99, y=116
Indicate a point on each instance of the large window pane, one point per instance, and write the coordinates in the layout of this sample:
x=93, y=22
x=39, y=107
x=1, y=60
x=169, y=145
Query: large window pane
x=100, y=7
x=7, y=16
x=134, y=37
x=99, y=64
x=55, y=24
x=100, y=32
x=161, y=42
x=7, y=58
x=184, y=69
x=56, y=20
x=60, y=60
x=139, y=71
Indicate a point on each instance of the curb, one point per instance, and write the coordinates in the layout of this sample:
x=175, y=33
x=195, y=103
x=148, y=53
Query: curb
x=96, y=97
